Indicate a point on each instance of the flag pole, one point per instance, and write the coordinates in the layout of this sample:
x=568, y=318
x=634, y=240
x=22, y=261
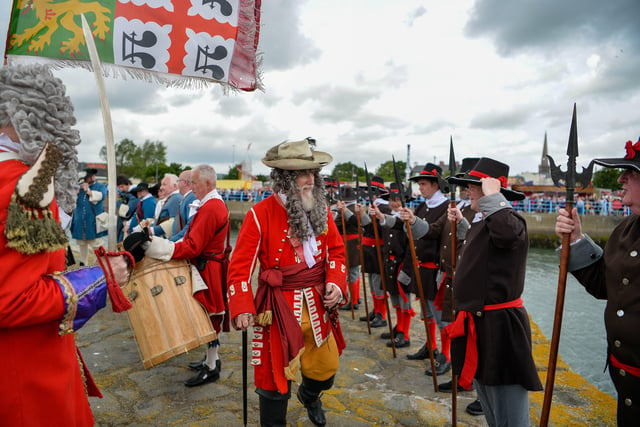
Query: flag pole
x=108, y=134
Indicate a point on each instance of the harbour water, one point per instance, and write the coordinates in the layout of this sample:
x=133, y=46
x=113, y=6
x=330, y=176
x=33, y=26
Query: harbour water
x=583, y=341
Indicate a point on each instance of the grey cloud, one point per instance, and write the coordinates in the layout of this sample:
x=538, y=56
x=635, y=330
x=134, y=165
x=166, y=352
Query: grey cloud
x=415, y=14
x=281, y=37
x=505, y=119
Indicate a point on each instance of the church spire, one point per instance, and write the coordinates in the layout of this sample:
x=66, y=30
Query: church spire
x=543, y=168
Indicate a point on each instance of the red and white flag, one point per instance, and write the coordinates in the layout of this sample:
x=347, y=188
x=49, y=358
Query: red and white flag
x=180, y=42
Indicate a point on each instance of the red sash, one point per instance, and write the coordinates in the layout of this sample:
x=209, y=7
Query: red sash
x=627, y=368
x=429, y=264
x=370, y=241
x=456, y=329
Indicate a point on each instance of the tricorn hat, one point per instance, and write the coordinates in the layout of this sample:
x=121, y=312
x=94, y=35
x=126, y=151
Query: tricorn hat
x=90, y=172
x=134, y=243
x=489, y=168
x=296, y=155
x=631, y=160
x=141, y=186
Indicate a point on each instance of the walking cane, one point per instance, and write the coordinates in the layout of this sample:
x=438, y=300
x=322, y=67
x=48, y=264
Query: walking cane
x=416, y=271
x=362, y=272
x=244, y=377
x=383, y=277
x=570, y=177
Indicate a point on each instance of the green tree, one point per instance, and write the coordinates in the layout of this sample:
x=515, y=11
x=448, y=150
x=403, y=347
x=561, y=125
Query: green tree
x=385, y=170
x=263, y=178
x=145, y=162
x=607, y=178
x=345, y=171
x=234, y=172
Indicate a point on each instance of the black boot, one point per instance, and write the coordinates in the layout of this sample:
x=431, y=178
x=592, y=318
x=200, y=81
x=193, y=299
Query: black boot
x=378, y=321
x=387, y=335
x=273, y=413
x=421, y=354
x=372, y=316
x=309, y=395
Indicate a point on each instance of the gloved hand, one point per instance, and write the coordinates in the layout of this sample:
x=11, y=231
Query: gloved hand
x=159, y=248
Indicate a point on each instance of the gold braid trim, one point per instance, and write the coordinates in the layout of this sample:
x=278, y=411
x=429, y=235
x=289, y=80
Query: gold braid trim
x=291, y=370
x=71, y=303
x=31, y=228
x=265, y=318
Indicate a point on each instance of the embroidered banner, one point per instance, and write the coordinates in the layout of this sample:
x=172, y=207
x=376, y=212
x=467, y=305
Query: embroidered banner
x=174, y=41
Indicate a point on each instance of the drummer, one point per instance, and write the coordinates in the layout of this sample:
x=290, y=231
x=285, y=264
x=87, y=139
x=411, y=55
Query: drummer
x=204, y=245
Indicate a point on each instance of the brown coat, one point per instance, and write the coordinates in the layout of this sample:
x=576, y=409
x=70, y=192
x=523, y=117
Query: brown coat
x=491, y=270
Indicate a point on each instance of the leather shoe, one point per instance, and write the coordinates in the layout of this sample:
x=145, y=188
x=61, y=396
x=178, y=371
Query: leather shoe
x=442, y=365
x=448, y=387
x=314, y=411
x=196, y=366
x=387, y=335
x=475, y=408
x=421, y=354
x=372, y=315
x=378, y=321
x=205, y=375
x=348, y=307
x=399, y=341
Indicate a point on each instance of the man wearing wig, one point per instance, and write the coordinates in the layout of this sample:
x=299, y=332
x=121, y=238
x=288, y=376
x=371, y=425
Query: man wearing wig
x=44, y=380
x=302, y=278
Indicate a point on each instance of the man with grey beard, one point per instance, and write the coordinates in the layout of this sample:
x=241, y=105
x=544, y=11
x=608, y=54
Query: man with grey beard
x=43, y=379
x=302, y=278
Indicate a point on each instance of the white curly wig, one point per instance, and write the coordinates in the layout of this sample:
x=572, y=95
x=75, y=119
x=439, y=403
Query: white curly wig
x=33, y=101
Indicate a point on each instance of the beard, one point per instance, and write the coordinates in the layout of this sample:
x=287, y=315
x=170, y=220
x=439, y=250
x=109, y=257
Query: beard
x=306, y=197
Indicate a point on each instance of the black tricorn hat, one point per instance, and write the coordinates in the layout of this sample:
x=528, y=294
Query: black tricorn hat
x=631, y=160
x=141, y=186
x=90, y=172
x=133, y=244
x=489, y=168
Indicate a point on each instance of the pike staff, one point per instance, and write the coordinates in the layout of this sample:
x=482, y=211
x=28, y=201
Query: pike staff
x=454, y=253
x=362, y=272
x=383, y=277
x=416, y=270
x=346, y=249
x=570, y=177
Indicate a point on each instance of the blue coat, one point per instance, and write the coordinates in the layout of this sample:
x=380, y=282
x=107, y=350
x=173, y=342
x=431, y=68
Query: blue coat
x=146, y=209
x=83, y=223
x=169, y=210
x=184, y=214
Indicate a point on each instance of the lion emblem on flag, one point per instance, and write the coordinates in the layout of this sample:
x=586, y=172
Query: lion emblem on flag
x=55, y=16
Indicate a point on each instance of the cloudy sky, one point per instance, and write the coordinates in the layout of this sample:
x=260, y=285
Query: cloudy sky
x=367, y=78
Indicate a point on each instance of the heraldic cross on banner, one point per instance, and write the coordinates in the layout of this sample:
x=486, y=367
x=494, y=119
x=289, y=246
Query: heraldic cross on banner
x=174, y=41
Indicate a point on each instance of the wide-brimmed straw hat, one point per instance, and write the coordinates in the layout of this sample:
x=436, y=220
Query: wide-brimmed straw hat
x=296, y=155
x=631, y=160
x=489, y=168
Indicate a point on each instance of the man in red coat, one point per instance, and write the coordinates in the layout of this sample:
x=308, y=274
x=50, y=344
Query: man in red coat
x=301, y=280
x=204, y=245
x=43, y=379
